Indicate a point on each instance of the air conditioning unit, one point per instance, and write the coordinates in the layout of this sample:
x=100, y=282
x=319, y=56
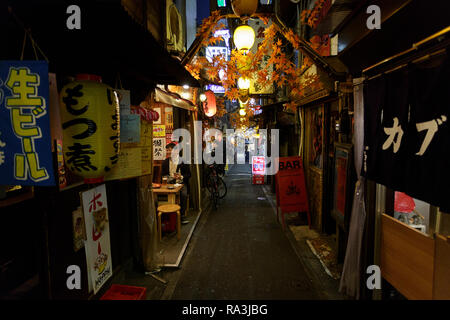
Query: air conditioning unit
x=174, y=28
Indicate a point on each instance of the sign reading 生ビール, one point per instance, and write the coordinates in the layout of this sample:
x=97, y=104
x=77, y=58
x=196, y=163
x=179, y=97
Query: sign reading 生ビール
x=98, y=246
x=25, y=141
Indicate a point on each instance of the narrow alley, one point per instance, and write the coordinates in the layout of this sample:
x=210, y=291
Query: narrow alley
x=240, y=252
x=190, y=153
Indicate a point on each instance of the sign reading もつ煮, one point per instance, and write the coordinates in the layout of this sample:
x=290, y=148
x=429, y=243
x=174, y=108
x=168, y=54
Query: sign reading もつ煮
x=25, y=141
x=98, y=246
x=90, y=122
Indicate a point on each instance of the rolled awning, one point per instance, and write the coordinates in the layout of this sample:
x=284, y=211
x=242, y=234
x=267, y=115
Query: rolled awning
x=173, y=99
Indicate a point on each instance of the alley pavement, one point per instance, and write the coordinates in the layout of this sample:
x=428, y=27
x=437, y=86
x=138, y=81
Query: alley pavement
x=240, y=251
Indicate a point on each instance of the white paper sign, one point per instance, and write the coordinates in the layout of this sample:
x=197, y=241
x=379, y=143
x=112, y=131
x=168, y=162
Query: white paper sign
x=159, y=148
x=98, y=245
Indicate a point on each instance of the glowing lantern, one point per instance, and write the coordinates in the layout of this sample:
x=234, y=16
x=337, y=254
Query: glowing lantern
x=202, y=97
x=244, y=37
x=209, y=107
x=242, y=112
x=243, y=83
x=90, y=122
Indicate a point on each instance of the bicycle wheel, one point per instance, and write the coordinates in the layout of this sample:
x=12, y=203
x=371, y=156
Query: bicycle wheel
x=221, y=188
x=210, y=184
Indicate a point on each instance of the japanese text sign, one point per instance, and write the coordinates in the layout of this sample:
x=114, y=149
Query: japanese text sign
x=258, y=165
x=159, y=148
x=291, y=188
x=98, y=246
x=407, y=132
x=91, y=127
x=25, y=140
x=159, y=130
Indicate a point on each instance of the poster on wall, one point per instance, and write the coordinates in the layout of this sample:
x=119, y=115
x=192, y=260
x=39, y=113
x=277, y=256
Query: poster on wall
x=25, y=139
x=146, y=138
x=98, y=245
x=168, y=116
x=130, y=128
x=159, y=148
x=342, y=179
x=128, y=166
x=159, y=130
x=315, y=144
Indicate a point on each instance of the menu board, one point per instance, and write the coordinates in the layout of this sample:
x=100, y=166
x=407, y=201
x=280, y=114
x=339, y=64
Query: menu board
x=129, y=164
x=130, y=128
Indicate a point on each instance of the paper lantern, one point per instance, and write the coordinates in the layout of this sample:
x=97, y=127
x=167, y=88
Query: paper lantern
x=90, y=122
x=243, y=83
x=210, y=107
x=244, y=37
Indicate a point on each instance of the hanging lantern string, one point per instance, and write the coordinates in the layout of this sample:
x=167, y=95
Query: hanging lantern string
x=119, y=81
x=27, y=33
x=23, y=45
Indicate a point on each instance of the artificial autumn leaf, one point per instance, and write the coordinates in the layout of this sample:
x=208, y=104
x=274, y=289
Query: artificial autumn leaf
x=276, y=68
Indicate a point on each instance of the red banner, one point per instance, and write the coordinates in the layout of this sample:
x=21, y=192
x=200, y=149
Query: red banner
x=290, y=183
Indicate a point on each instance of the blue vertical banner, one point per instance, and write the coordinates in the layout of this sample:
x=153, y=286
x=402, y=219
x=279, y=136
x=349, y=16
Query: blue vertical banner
x=25, y=140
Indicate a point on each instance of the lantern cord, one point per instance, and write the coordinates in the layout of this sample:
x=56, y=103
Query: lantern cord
x=23, y=45
x=34, y=49
x=118, y=82
x=27, y=32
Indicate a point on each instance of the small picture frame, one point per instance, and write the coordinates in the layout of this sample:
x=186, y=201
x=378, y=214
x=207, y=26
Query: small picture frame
x=342, y=184
x=78, y=228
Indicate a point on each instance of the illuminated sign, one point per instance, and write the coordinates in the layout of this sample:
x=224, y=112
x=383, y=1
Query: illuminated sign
x=258, y=165
x=211, y=52
x=215, y=88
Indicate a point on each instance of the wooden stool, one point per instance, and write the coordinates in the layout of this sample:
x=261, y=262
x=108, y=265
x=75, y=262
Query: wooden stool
x=169, y=208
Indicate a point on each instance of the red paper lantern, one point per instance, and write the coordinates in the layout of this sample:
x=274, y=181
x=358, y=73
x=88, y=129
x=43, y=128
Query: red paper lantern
x=209, y=107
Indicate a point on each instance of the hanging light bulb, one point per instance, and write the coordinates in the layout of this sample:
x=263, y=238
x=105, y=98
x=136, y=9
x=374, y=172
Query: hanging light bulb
x=202, y=97
x=222, y=74
x=243, y=83
x=242, y=112
x=244, y=37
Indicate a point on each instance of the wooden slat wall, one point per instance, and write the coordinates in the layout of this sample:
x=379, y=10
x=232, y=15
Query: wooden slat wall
x=407, y=259
x=441, y=290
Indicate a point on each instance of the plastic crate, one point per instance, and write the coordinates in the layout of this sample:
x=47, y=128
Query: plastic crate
x=169, y=222
x=258, y=179
x=121, y=292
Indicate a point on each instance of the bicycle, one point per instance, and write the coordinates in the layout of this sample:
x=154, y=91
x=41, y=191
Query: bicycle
x=215, y=184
